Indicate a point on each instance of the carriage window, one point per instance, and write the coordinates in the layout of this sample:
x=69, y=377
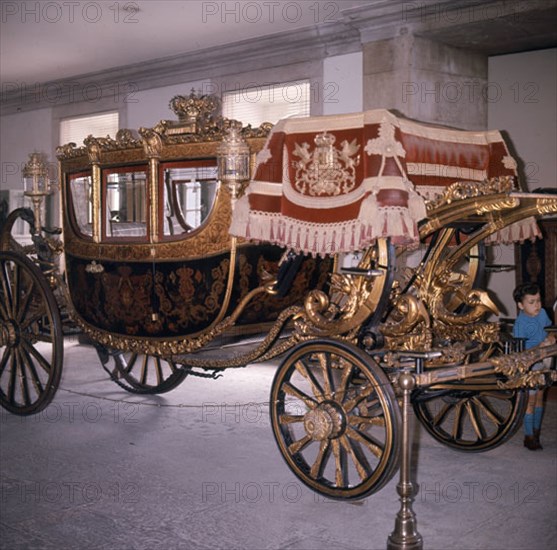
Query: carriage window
x=126, y=208
x=189, y=196
x=81, y=195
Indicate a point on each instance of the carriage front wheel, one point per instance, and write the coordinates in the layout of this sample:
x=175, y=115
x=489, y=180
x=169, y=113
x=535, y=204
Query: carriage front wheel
x=31, y=340
x=336, y=419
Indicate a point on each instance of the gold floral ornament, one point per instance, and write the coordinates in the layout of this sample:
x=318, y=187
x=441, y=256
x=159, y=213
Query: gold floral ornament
x=327, y=171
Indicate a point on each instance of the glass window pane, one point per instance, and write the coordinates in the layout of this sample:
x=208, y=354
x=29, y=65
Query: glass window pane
x=126, y=207
x=82, y=203
x=190, y=194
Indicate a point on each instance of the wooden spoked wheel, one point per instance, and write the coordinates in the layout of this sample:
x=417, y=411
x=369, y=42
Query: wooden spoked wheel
x=141, y=373
x=474, y=416
x=336, y=419
x=31, y=340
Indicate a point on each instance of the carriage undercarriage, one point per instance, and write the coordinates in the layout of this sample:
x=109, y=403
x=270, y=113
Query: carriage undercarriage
x=357, y=345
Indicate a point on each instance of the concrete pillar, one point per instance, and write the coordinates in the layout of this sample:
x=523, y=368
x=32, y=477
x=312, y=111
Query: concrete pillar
x=427, y=81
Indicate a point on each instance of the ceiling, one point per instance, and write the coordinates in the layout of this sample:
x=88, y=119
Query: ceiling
x=49, y=41
x=61, y=40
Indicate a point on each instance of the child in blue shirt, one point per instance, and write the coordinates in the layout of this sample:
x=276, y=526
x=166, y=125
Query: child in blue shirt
x=530, y=324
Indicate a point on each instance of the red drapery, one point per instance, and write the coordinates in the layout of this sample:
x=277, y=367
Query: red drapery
x=336, y=183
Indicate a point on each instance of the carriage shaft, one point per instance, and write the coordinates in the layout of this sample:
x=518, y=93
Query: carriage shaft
x=512, y=365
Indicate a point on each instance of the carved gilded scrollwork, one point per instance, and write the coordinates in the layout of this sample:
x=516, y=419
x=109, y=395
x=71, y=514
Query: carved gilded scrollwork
x=407, y=312
x=532, y=380
x=152, y=142
x=470, y=189
x=94, y=148
x=487, y=333
x=477, y=301
x=516, y=367
x=351, y=298
x=490, y=205
x=546, y=206
x=408, y=325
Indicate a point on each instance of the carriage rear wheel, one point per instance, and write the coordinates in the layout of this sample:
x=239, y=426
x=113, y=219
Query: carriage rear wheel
x=31, y=340
x=149, y=374
x=473, y=416
x=336, y=419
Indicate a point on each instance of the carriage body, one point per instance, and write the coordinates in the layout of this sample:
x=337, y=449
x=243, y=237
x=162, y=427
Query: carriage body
x=149, y=261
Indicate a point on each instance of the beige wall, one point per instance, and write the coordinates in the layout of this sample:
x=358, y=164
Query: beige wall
x=524, y=105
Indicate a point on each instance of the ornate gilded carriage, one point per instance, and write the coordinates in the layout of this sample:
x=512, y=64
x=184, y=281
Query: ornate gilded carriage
x=153, y=278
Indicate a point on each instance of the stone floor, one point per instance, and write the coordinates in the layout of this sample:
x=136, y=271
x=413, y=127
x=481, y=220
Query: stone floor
x=198, y=468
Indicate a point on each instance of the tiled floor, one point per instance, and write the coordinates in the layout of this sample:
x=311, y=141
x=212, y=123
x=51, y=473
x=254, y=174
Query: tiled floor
x=198, y=468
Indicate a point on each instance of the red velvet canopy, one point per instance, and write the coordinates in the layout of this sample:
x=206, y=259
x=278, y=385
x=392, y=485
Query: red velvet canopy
x=336, y=183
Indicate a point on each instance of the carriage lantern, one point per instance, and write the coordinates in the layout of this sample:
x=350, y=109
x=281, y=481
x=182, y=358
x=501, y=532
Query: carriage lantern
x=233, y=156
x=37, y=184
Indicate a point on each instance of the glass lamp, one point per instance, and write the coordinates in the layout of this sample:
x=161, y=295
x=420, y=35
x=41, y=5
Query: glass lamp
x=233, y=158
x=36, y=184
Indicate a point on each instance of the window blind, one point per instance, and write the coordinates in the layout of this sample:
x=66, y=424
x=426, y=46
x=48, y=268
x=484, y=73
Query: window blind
x=76, y=129
x=267, y=103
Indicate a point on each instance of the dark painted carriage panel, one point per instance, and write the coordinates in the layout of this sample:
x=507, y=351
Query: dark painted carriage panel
x=138, y=299
x=184, y=297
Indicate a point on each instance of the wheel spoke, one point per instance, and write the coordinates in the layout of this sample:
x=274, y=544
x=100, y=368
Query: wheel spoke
x=325, y=364
x=4, y=361
x=309, y=376
x=158, y=370
x=358, y=458
x=321, y=460
x=364, y=394
x=457, y=422
x=442, y=414
x=16, y=284
x=295, y=392
x=499, y=395
x=31, y=367
x=299, y=445
x=24, y=307
x=172, y=366
x=43, y=362
x=476, y=422
x=488, y=410
x=290, y=419
x=374, y=446
x=356, y=420
x=13, y=374
x=6, y=291
x=346, y=373
x=26, y=324
x=144, y=370
x=341, y=468
x=24, y=387
x=130, y=362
